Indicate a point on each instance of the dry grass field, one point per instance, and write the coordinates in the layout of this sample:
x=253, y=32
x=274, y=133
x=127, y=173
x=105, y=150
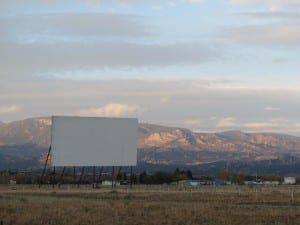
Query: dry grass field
x=150, y=205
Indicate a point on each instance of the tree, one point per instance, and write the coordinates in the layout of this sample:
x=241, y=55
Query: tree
x=143, y=178
x=189, y=175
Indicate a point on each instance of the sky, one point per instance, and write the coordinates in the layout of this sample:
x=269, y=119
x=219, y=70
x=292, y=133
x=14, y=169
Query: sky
x=204, y=65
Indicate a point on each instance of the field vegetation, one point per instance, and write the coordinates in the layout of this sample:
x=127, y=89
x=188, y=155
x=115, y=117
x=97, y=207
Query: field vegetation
x=149, y=204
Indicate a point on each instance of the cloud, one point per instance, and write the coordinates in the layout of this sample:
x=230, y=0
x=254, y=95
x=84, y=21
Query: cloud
x=260, y=125
x=9, y=108
x=277, y=125
x=268, y=108
x=72, y=26
x=271, y=3
x=191, y=124
x=196, y=1
x=199, y=105
x=287, y=34
x=8, y=6
x=164, y=100
x=228, y=123
x=274, y=125
x=267, y=15
x=21, y=6
x=112, y=110
x=38, y=59
x=59, y=44
x=297, y=127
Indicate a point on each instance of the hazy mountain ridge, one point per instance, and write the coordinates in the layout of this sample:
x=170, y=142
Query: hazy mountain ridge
x=211, y=147
x=160, y=145
x=29, y=131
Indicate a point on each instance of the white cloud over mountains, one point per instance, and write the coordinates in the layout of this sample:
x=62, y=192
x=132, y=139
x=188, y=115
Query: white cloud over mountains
x=112, y=110
x=277, y=125
x=9, y=108
x=194, y=104
x=227, y=123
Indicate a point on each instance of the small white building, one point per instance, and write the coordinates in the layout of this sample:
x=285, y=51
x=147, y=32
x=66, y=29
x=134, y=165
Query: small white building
x=12, y=182
x=109, y=183
x=271, y=182
x=289, y=180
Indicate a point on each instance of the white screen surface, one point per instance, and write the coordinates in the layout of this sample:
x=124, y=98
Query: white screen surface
x=93, y=141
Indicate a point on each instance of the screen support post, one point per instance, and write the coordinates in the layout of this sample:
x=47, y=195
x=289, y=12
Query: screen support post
x=81, y=176
x=112, y=177
x=45, y=166
x=74, y=175
x=53, y=178
x=61, y=180
x=99, y=177
x=94, y=176
x=131, y=177
x=119, y=174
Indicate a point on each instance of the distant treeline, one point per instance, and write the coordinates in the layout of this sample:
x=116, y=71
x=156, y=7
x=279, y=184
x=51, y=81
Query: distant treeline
x=159, y=177
x=234, y=178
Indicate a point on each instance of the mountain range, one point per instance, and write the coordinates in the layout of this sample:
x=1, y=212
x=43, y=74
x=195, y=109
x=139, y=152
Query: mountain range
x=23, y=145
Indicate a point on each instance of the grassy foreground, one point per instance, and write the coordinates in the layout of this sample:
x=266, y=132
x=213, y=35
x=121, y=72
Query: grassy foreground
x=150, y=205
